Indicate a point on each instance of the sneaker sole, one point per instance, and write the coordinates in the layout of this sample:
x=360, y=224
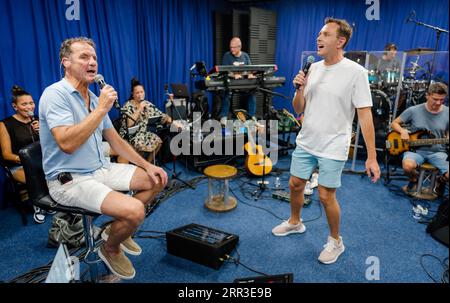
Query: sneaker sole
x=290, y=232
x=334, y=260
x=37, y=220
x=112, y=270
x=122, y=247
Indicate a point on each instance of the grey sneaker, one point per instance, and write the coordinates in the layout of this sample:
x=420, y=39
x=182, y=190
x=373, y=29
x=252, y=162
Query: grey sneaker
x=119, y=265
x=332, y=250
x=128, y=245
x=286, y=228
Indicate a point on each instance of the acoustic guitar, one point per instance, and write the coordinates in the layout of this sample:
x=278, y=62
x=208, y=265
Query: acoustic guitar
x=256, y=163
x=395, y=145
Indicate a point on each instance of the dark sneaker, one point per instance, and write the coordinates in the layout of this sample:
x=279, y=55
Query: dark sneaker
x=439, y=188
x=119, y=265
x=410, y=189
x=39, y=215
x=51, y=212
x=129, y=245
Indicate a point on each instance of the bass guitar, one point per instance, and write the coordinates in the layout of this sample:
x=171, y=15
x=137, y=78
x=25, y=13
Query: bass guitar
x=395, y=145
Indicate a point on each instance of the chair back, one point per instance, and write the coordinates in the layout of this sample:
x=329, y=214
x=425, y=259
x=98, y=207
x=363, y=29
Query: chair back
x=31, y=158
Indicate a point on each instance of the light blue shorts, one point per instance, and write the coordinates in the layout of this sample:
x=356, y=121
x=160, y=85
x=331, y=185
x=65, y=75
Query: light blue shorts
x=303, y=165
x=437, y=159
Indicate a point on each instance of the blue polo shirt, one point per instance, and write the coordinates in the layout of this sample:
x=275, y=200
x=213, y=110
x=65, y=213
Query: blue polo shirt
x=62, y=105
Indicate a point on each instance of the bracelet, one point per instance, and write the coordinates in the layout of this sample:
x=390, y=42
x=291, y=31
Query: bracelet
x=17, y=159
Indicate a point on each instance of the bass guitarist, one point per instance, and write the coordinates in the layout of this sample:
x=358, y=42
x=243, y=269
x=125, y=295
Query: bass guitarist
x=433, y=117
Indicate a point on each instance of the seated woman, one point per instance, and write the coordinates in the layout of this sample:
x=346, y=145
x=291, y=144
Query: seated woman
x=18, y=131
x=135, y=128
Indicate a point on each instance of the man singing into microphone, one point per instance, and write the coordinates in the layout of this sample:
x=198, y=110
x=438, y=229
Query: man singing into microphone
x=72, y=123
x=328, y=94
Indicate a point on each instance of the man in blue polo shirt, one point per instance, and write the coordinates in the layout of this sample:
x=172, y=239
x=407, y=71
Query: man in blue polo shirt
x=236, y=57
x=72, y=123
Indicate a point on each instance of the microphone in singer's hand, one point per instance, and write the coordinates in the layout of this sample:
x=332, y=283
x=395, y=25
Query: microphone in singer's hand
x=31, y=116
x=101, y=83
x=306, y=67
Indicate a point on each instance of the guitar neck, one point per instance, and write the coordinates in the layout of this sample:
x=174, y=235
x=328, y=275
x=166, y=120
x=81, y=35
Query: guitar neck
x=291, y=116
x=421, y=142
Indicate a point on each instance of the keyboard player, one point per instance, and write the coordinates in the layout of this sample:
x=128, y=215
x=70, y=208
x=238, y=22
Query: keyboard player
x=237, y=57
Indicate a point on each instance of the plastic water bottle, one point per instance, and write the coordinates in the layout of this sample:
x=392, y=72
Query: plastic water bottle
x=417, y=213
x=277, y=182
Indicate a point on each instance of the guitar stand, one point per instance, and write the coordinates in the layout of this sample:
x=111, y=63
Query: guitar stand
x=261, y=184
x=175, y=175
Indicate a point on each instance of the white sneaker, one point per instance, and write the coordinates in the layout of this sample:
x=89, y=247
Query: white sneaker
x=332, y=250
x=314, y=180
x=286, y=228
x=308, y=189
x=223, y=121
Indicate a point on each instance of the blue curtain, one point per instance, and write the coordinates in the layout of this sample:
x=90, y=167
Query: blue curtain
x=155, y=40
x=300, y=21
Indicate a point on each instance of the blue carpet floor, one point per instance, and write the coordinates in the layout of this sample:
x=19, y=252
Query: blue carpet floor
x=377, y=224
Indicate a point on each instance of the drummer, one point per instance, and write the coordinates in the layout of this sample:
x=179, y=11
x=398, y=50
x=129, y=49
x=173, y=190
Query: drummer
x=388, y=62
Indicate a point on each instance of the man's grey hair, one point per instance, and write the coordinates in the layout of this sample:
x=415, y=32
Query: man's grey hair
x=66, y=46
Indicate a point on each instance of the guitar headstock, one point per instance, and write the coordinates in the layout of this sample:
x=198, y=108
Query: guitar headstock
x=291, y=116
x=286, y=112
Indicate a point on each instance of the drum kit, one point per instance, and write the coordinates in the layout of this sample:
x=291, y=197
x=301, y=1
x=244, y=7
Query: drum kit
x=385, y=84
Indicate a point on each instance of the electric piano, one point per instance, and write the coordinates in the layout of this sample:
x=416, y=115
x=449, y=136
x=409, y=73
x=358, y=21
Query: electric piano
x=221, y=77
x=214, y=84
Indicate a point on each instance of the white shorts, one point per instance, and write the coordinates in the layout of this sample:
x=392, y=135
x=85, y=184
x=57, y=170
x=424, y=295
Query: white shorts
x=89, y=191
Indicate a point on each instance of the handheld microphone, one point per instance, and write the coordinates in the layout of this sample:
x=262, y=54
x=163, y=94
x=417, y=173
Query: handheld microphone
x=306, y=67
x=101, y=83
x=31, y=116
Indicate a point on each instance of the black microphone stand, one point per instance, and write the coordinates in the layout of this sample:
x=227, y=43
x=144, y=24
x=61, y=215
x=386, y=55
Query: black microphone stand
x=439, y=31
x=124, y=116
x=175, y=175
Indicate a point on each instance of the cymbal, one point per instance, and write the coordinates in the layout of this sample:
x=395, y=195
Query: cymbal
x=419, y=51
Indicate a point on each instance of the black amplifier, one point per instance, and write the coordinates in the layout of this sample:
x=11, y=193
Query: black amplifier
x=200, y=244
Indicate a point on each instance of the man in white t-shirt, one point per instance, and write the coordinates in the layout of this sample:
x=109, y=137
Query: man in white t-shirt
x=328, y=95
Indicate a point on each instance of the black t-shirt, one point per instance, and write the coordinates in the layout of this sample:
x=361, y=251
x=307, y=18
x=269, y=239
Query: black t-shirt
x=21, y=134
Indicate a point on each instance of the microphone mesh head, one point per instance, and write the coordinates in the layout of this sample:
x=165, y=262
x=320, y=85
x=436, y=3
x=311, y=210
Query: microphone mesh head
x=30, y=114
x=99, y=80
x=311, y=59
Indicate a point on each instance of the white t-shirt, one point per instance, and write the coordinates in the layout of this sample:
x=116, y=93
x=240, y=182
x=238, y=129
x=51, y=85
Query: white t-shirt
x=332, y=93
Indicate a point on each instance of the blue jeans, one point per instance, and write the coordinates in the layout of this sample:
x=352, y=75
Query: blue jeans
x=251, y=100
